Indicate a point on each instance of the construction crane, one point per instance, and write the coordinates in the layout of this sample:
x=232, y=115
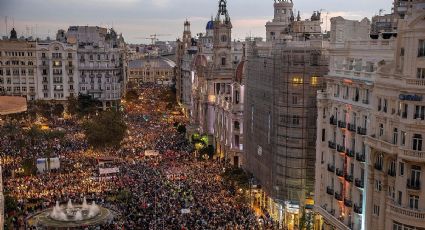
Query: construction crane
x=153, y=37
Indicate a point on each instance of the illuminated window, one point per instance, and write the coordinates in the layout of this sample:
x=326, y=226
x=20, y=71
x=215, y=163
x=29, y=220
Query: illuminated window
x=297, y=80
x=314, y=81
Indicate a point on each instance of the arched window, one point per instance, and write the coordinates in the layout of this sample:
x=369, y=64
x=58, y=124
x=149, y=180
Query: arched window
x=236, y=125
x=237, y=97
x=223, y=38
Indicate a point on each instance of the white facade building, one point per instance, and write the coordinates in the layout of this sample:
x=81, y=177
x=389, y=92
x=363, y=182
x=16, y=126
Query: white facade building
x=344, y=112
x=56, y=70
x=18, y=67
x=102, y=63
x=370, y=154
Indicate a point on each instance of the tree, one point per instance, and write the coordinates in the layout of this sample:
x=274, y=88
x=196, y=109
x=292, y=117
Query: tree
x=132, y=95
x=72, y=107
x=10, y=204
x=58, y=110
x=106, y=130
x=29, y=167
x=181, y=128
x=87, y=105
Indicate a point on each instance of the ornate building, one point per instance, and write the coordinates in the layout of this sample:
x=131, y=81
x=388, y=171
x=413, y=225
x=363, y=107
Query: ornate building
x=57, y=70
x=210, y=84
x=102, y=64
x=18, y=67
x=369, y=146
x=344, y=112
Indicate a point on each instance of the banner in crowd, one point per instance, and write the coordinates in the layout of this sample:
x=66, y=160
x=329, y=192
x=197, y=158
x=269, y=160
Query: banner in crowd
x=43, y=164
x=104, y=171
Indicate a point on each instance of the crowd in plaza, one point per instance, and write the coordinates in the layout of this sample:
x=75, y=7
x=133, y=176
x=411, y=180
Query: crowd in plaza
x=172, y=190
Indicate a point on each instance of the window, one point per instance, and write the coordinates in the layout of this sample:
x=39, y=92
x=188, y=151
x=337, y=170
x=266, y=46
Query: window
x=269, y=128
x=252, y=119
x=400, y=197
x=381, y=130
x=295, y=120
x=417, y=142
x=378, y=185
x=323, y=135
x=223, y=61
x=401, y=168
x=395, y=136
x=385, y=105
x=414, y=202
x=376, y=210
x=69, y=55
x=419, y=112
x=421, y=48
x=421, y=73
x=403, y=138
x=415, y=176
x=223, y=38
x=379, y=104
x=294, y=100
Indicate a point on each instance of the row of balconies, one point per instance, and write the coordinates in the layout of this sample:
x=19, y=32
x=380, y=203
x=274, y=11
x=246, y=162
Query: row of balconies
x=351, y=127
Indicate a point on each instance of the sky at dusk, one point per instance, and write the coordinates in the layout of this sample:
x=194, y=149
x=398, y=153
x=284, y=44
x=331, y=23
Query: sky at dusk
x=137, y=19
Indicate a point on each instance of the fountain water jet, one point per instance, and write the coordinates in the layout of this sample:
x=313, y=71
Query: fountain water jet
x=78, y=215
x=85, y=205
x=93, y=210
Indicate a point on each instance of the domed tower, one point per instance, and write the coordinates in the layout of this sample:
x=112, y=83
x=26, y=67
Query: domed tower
x=210, y=28
x=222, y=41
x=283, y=16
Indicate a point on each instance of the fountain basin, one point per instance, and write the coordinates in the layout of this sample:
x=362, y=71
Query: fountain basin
x=75, y=220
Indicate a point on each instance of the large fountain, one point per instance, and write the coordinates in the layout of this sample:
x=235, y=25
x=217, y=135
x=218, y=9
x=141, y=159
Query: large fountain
x=71, y=215
x=74, y=213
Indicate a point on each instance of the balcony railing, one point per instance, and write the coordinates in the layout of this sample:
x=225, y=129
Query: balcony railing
x=361, y=157
x=333, y=121
x=331, y=168
x=338, y=196
x=349, y=153
x=349, y=178
x=339, y=172
x=415, y=214
x=342, y=124
x=332, y=145
x=348, y=203
x=391, y=172
x=340, y=149
x=413, y=184
x=359, y=183
x=351, y=127
x=361, y=131
x=378, y=167
x=330, y=191
x=358, y=209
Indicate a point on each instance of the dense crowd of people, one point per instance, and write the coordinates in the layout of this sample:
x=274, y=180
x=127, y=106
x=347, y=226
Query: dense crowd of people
x=172, y=190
